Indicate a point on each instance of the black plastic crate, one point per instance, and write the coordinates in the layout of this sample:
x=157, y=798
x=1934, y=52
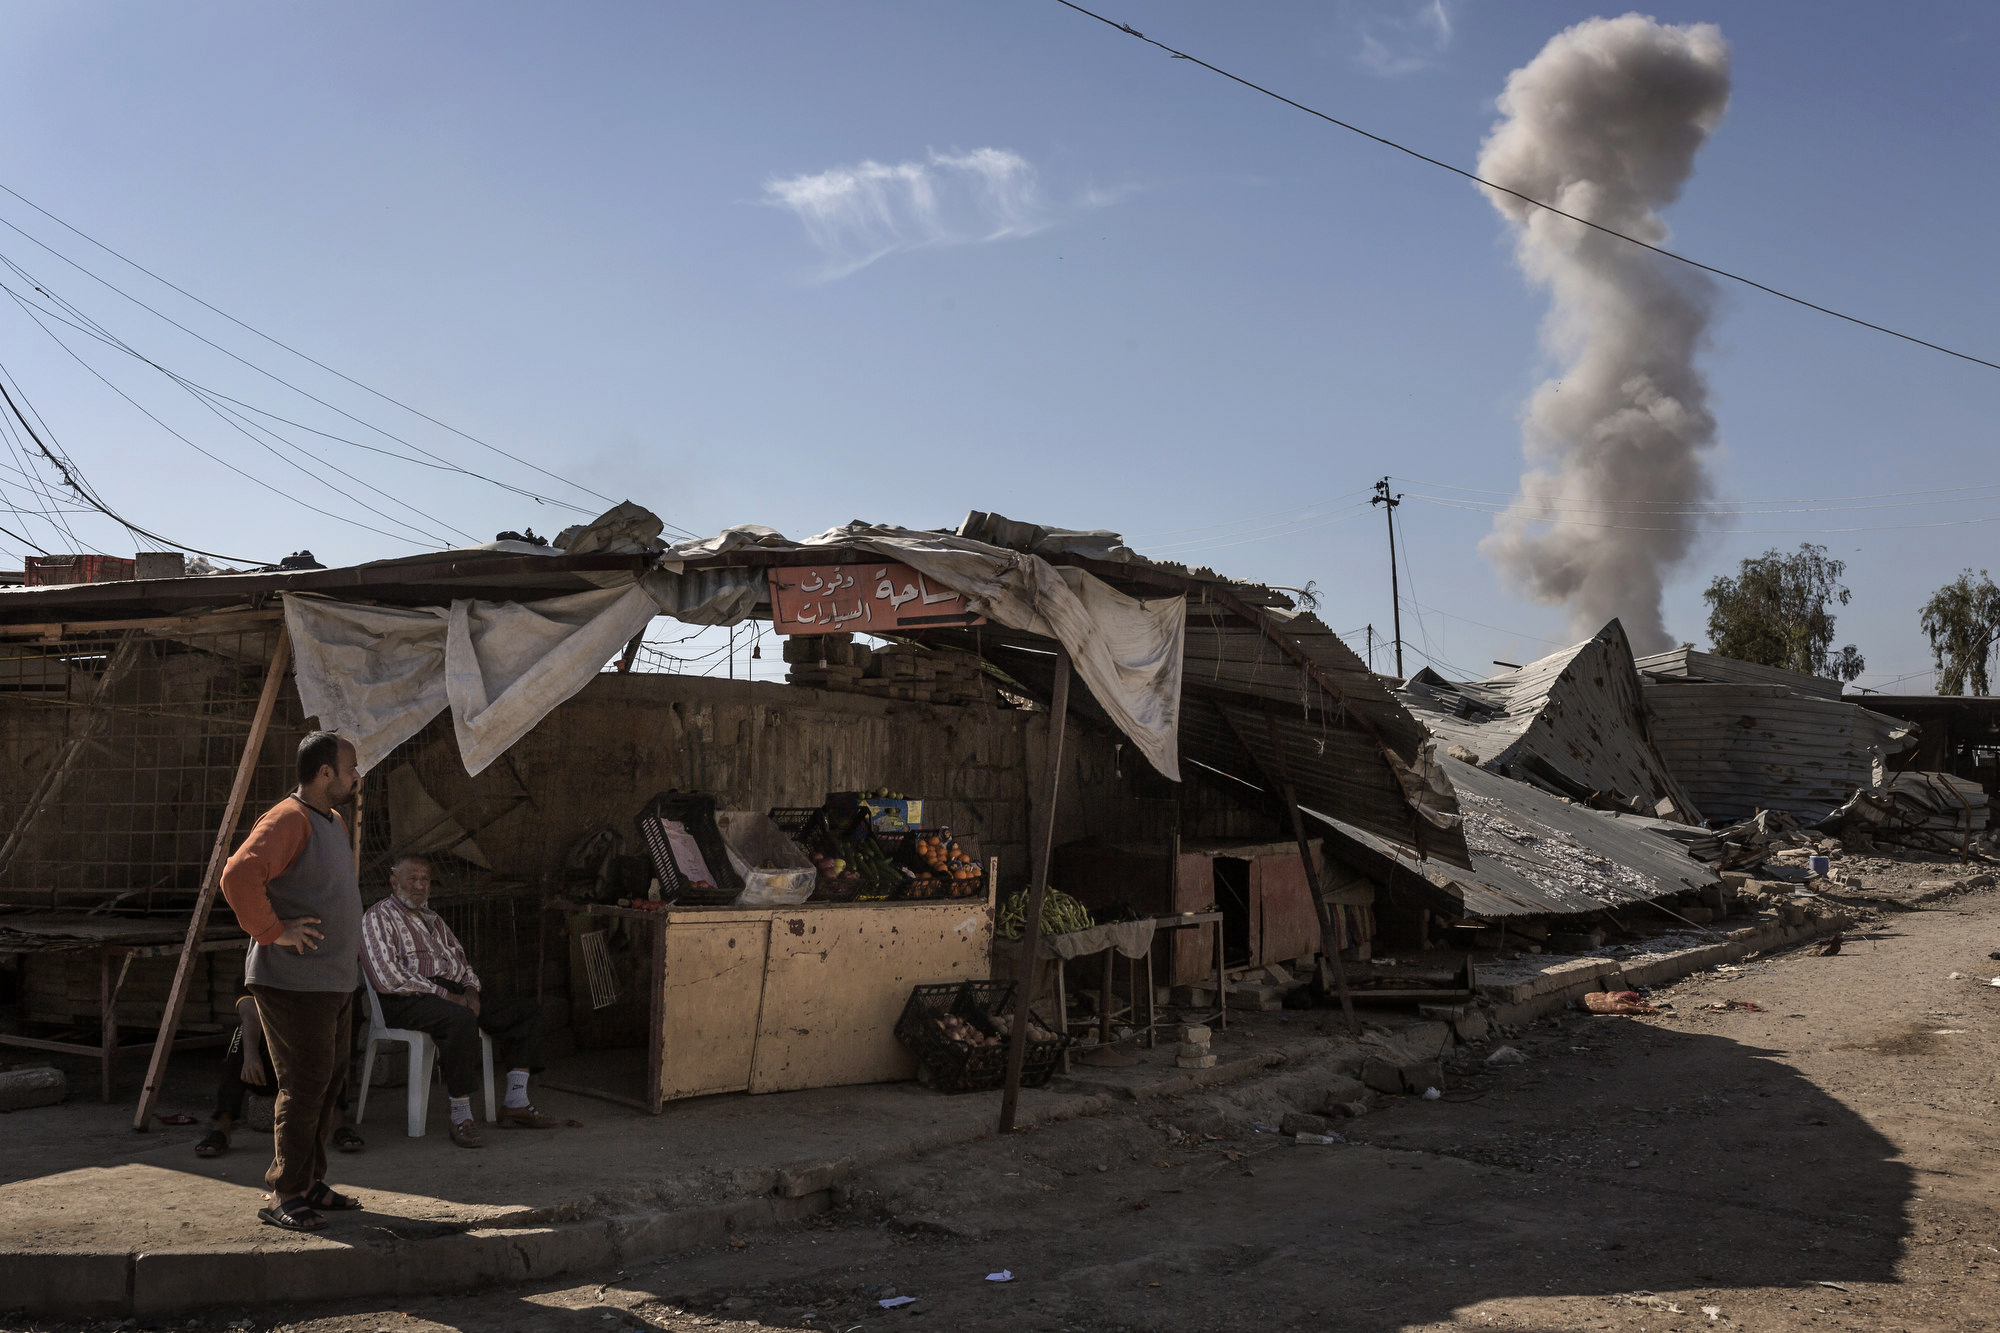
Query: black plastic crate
x=960, y=1066
x=801, y=823
x=696, y=812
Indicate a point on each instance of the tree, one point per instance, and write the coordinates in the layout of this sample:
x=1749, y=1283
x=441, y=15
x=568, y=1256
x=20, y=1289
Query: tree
x=1962, y=619
x=1774, y=612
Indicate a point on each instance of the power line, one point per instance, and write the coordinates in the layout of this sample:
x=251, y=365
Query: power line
x=122, y=258
x=1792, y=499
x=1497, y=629
x=1566, y=504
x=1248, y=518
x=1275, y=531
x=215, y=458
x=90, y=327
x=1131, y=31
x=85, y=495
x=1749, y=532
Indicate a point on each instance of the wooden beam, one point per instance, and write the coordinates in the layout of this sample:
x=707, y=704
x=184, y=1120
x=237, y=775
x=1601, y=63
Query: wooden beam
x=1038, y=888
x=185, y=624
x=239, y=791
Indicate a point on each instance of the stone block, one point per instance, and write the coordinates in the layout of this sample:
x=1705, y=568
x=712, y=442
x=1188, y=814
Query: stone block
x=795, y=1182
x=1196, y=1033
x=1382, y=1074
x=23, y=1088
x=1195, y=1061
x=1386, y=1075
x=1192, y=1048
x=1299, y=1122
x=1426, y=1038
x=1473, y=1026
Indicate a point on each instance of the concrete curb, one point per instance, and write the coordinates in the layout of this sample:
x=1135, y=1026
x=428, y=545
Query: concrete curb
x=533, y=1246
x=1520, y=1002
x=172, y=1281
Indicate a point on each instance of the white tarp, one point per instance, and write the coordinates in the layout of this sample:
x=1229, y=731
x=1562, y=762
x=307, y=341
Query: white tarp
x=378, y=674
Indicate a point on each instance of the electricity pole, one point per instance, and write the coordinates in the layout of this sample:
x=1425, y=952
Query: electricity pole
x=1389, y=503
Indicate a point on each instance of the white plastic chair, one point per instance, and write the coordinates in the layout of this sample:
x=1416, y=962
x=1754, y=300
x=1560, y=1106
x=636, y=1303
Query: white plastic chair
x=423, y=1062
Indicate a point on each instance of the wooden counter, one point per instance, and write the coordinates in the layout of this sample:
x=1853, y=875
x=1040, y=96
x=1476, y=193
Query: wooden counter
x=771, y=999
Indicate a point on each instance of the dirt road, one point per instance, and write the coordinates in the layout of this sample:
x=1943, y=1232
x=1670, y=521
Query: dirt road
x=1824, y=1159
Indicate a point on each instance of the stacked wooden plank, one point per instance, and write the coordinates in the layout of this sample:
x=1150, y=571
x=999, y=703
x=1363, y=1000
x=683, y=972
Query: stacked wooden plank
x=897, y=671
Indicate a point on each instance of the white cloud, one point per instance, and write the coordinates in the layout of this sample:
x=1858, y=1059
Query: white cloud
x=1405, y=42
x=859, y=214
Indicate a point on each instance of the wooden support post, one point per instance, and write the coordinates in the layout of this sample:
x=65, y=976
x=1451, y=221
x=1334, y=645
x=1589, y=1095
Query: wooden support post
x=360, y=813
x=239, y=791
x=107, y=998
x=1038, y=888
x=1329, y=938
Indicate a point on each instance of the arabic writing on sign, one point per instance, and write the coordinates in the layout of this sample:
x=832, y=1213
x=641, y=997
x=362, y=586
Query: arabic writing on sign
x=840, y=599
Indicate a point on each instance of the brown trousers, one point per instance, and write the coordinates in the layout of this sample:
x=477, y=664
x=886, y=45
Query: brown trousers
x=306, y=1033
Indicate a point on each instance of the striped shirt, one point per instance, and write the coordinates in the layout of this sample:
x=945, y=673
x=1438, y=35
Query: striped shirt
x=401, y=950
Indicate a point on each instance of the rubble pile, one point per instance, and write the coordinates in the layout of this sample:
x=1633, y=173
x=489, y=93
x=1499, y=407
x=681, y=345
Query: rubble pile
x=1930, y=812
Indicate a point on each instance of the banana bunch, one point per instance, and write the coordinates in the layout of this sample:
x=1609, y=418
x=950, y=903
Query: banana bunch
x=1061, y=914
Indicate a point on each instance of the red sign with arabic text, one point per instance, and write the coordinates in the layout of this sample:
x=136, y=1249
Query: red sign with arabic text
x=878, y=598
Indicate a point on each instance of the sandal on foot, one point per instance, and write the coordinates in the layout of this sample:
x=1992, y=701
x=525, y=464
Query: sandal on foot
x=291, y=1215
x=212, y=1144
x=324, y=1197
x=346, y=1140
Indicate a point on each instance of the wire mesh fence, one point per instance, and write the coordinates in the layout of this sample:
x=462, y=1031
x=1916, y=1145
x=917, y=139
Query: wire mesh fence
x=122, y=748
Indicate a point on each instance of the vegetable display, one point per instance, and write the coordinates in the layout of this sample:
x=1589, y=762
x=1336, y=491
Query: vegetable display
x=1061, y=914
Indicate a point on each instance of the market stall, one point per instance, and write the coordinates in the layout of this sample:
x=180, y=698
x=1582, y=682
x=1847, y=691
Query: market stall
x=475, y=688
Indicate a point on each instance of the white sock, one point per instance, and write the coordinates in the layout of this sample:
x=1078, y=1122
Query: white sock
x=517, y=1089
x=461, y=1110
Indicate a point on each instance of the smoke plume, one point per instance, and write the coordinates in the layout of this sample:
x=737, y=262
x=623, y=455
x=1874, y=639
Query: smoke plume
x=1604, y=124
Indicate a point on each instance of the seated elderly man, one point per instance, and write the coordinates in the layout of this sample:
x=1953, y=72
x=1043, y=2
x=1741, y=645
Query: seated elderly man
x=416, y=964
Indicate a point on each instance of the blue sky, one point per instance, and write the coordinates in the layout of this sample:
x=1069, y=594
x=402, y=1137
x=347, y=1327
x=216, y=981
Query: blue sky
x=676, y=253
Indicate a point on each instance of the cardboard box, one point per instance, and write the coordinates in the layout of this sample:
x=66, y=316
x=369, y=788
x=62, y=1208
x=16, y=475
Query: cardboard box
x=893, y=815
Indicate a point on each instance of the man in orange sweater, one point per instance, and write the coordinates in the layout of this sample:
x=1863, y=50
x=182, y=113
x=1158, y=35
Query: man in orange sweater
x=293, y=887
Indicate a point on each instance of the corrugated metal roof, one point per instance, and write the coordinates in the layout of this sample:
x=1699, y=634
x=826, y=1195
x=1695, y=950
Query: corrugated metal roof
x=1533, y=853
x=1580, y=712
x=1269, y=694
x=1739, y=749
x=1684, y=663
x=1249, y=711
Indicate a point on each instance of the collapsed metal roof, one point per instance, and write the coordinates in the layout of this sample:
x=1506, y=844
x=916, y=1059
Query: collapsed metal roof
x=1574, y=721
x=1269, y=695
x=1685, y=664
x=1743, y=748
x=1532, y=853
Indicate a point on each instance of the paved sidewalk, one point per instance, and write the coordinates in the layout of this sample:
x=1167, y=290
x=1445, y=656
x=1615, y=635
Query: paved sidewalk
x=95, y=1219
